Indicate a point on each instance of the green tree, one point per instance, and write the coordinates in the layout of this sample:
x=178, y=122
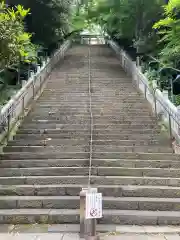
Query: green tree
x=15, y=43
x=131, y=20
x=169, y=29
x=49, y=20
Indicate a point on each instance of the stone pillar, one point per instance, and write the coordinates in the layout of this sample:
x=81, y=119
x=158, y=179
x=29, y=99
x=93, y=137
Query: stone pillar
x=165, y=94
x=154, y=84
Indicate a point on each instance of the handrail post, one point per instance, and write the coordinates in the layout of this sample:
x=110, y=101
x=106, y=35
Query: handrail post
x=40, y=79
x=170, y=126
x=155, y=106
x=33, y=88
x=138, y=61
x=8, y=126
x=145, y=91
x=23, y=106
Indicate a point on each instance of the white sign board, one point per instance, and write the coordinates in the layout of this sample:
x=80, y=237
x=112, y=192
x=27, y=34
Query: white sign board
x=93, y=205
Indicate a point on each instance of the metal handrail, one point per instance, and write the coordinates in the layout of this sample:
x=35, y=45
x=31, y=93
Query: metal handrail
x=158, y=102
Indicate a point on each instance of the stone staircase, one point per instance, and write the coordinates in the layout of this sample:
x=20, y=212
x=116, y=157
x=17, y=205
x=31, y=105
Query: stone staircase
x=44, y=168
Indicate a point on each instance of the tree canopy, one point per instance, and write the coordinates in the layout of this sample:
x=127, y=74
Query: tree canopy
x=149, y=26
x=49, y=20
x=146, y=26
x=15, y=42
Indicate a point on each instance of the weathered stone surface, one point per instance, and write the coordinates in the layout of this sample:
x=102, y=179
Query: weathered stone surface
x=54, y=190
x=172, y=236
x=129, y=218
x=44, y=168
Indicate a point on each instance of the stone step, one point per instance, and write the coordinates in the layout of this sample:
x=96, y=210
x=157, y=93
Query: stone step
x=59, y=142
x=44, y=125
x=52, y=149
x=83, y=84
x=28, y=163
x=94, y=105
x=52, y=116
x=19, y=138
x=86, y=115
x=84, y=108
x=82, y=89
x=86, y=130
x=59, y=216
x=73, y=202
x=57, y=121
x=83, y=135
x=85, y=99
x=81, y=104
x=97, y=180
x=46, y=163
x=123, y=91
x=51, y=142
x=150, y=149
x=136, y=155
x=71, y=109
x=85, y=125
x=43, y=171
x=75, y=90
x=100, y=120
x=71, y=89
x=68, y=110
x=96, y=171
x=51, y=90
x=106, y=190
x=85, y=148
x=77, y=82
x=103, y=101
x=85, y=155
x=84, y=96
x=98, y=111
x=54, y=89
x=42, y=155
x=53, y=120
x=58, y=99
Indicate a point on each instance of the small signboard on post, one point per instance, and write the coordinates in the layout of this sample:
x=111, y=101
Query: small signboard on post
x=93, y=205
x=90, y=210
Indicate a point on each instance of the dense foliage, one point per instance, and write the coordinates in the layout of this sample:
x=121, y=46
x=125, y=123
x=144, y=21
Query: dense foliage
x=130, y=22
x=147, y=26
x=169, y=28
x=144, y=28
x=28, y=31
x=15, y=43
x=49, y=20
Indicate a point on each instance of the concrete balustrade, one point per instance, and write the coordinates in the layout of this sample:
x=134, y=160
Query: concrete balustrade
x=158, y=100
x=12, y=113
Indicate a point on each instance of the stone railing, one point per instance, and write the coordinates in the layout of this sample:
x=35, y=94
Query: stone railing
x=13, y=112
x=161, y=105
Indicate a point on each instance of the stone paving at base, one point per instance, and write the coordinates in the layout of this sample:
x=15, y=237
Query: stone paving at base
x=75, y=236
x=70, y=232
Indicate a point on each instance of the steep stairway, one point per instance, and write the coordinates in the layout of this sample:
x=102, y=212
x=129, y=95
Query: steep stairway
x=44, y=168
